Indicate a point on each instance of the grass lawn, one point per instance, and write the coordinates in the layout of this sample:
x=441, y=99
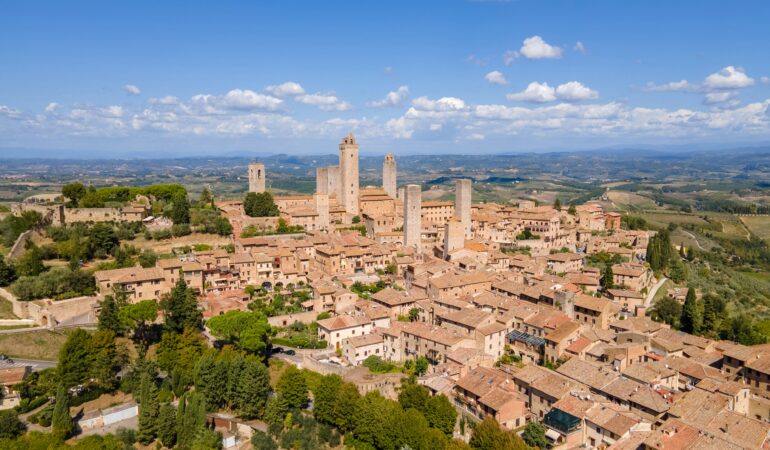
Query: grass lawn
x=6, y=309
x=38, y=344
x=758, y=225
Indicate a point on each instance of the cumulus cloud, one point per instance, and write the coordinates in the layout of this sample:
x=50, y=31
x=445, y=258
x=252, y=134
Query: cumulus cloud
x=132, y=89
x=535, y=92
x=53, y=106
x=574, y=90
x=443, y=104
x=496, y=77
x=239, y=99
x=718, y=87
x=543, y=93
x=728, y=78
x=392, y=98
x=284, y=89
x=326, y=102
x=765, y=80
x=579, y=47
x=536, y=48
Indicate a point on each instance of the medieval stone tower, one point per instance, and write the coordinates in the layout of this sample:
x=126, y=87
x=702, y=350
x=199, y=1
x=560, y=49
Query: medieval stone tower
x=413, y=216
x=389, y=175
x=349, y=174
x=463, y=191
x=256, y=177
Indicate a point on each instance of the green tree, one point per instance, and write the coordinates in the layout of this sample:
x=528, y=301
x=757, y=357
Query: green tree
x=489, y=436
x=138, y=317
x=325, y=398
x=75, y=358
x=104, y=358
x=691, y=320
x=659, y=250
x=534, y=435
x=253, y=389
x=572, y=211
x=207, y=439
x=246, y=330
x=293, y=387
x=421, y=366
x=102, y=238
x=557, y=205
x=31, y=262
x=180, y=308
x=263, y=441
x=369, y=420
x=607, y=280
x=180, y=210
x=148, y=258
x=275, y=412
x=668, y=310
x=441, y=414
x=167, y=425
x=206, y=198
x=413, y=395
x=714, y=309
x=190, y=417
x=179, y=353
x=91, y=200
x=108, y=314
x=7, y=273
x=260, y=205
x=414, y=314
x=61, y=421
x=10, y=425
x=148, y=409
x=73, y=192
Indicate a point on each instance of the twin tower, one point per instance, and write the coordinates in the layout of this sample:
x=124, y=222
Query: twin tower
x=343, y=180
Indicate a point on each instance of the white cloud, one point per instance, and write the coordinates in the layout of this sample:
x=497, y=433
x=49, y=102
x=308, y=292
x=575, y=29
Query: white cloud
x=388, y=70
x=475, y=137
x=238, y=99
x=132, y=89
x=574, y=90
x=326, y=102
x=284, y=89
x=53, y=106
x=496, y=77
x=510, y=56
x=579, y=47
x=392, y=98
x=473, y=59
x=536, y=48
x=167, y=100
x=542, y=93
x=765, y=80
x=443, y=104
x=673, y=86
x=719, y=97
x=728, y=78
x=535, y=92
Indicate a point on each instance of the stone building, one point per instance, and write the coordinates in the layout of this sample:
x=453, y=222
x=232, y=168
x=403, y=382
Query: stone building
x=256, y=177
x=463, y=204
x=412, y=216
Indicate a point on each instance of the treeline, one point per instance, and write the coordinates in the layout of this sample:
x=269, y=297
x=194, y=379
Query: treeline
x=12, y=226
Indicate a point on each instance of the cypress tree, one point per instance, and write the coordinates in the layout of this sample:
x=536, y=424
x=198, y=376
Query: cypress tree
x=167, y=425
x=180, y=212
x=61, y=421
x=108, y=316
x=692, y=313
x=191, y=417
x=148, y=409
x=608, y=278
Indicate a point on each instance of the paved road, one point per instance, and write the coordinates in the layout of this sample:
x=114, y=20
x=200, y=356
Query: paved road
x=35, y=363
x=653, y=291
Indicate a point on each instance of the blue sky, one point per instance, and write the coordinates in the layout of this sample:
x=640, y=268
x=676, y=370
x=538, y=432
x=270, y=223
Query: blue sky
x=186, y=78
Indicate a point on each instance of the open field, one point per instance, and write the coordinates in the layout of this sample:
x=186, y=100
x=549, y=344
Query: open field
x=630, y=201
x=759, y=225
x=38, y=344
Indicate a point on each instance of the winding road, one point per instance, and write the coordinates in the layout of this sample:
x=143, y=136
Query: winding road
x=654, y=290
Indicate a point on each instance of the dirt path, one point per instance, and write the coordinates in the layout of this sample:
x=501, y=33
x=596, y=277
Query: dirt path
x=694, y=239
x=653, y=291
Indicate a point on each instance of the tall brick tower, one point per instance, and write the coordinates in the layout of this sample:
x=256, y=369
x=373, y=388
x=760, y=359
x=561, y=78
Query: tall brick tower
x=256, y=177
x=413, y=216
x=463, y=189
x=389, y=175
x=349, y=174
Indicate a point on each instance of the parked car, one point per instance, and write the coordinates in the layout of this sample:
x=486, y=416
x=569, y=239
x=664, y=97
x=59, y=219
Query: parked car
x=290, y=352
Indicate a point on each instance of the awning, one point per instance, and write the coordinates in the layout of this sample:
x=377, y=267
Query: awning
x=552, y=434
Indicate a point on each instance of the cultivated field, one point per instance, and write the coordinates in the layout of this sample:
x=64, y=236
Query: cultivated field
x=759, y=225
x=38, y=344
